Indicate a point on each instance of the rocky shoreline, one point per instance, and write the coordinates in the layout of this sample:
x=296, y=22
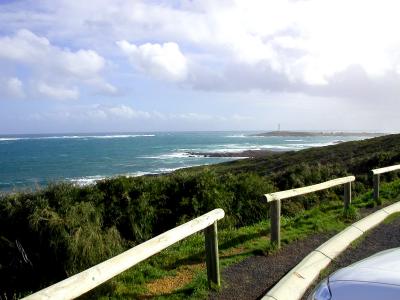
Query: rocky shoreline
x=242, y=154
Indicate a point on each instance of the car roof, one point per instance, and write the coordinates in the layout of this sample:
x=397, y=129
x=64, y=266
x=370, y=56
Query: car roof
x=382, y=267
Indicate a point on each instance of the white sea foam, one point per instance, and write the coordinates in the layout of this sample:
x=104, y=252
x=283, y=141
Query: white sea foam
x=293, y=140
x=237, y=136
x=85, y=181
x=312, y=145
x=10, y=139
x=277, y=147
x=137, y=174
x=249, y=147
x=90, y=180
x=116, y=136
x=234, y=148
x=173, y=155
x=168, y=170
x=244, y=135
x=229, y=148
x=120, y=136
x=164, y=170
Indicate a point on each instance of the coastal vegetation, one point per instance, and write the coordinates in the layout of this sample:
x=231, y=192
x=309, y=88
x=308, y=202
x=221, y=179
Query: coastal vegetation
x=54, y=232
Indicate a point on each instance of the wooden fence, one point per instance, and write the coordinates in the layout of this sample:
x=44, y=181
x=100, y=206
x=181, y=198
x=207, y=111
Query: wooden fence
x=376, y=177
x=275, y=199
x=87, y=280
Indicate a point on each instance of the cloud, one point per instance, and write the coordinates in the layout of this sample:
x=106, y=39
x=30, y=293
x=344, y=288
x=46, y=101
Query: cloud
x=164, y=61
x=102, y=87
x=12, y=88
x=58, y=92
x=27, y=48
x=194, y=117
x=124, y=111
x=277, y=45
x=57, y=66
x=112, y=112
x=281, y=46
x=82, y=64
x=92, y=113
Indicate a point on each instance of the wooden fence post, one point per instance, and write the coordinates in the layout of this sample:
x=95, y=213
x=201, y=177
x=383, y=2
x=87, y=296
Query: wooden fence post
x=212, y=259
x=376, y=186
x=275, y=215
x=347, y=195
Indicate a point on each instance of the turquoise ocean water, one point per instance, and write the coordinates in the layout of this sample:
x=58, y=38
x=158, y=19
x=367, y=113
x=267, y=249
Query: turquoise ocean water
x=28, y=161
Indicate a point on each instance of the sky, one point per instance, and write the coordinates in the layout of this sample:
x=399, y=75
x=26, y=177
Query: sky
x=130, y=66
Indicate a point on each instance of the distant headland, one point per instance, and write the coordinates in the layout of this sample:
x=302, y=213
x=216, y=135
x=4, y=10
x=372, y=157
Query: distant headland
x=317, y=133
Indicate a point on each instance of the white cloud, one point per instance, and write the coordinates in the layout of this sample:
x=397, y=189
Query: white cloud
x=241, y=118
x=27, y=48
x=24, y=47
x=281, y=45
x=102, y=86
x=124, y=111
x=119, y=112
x=83, y=63
x=164, y=61
x=12, y=88
x=60, y=66
x=303, y=45
x=93, y=113
x=193, y=117
x=58, y=92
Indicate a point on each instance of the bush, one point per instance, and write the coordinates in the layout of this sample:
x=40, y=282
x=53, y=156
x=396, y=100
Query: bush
x=351, y=213
x=49, y=234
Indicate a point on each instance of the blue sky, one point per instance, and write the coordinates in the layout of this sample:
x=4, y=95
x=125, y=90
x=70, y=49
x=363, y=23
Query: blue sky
x=110, y=65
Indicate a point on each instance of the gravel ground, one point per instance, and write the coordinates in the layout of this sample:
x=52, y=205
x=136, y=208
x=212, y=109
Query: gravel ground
x=254, y=276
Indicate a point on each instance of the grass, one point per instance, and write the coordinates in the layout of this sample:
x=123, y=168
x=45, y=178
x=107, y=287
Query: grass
x=179, y=271
x=65, y=229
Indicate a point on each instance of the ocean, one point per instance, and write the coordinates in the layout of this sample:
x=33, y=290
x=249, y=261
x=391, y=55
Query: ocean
x=30, y=161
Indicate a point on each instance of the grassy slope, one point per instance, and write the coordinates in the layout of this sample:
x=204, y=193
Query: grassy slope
x=357, y=155
x=160, y=277
x=120, y=212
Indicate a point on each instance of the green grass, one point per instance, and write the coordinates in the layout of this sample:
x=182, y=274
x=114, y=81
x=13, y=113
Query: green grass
x=391, y=218
x=234, y=245
x=65, y=229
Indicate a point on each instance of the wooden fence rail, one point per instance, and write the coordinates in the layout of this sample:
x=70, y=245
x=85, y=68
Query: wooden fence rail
x=87, y=280
x=376, y=177
x=275, y=199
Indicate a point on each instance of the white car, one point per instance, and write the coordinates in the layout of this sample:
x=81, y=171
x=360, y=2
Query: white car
x=374, y=278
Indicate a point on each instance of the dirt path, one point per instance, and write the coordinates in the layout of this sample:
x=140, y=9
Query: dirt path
x=254, y=276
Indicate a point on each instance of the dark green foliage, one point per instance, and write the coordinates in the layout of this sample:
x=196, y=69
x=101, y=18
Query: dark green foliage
x=64, y=229
x=351, y=213
x=59, y=233
x=248, y=204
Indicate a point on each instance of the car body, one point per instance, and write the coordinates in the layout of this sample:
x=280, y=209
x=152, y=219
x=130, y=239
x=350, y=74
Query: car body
x=375, y=277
